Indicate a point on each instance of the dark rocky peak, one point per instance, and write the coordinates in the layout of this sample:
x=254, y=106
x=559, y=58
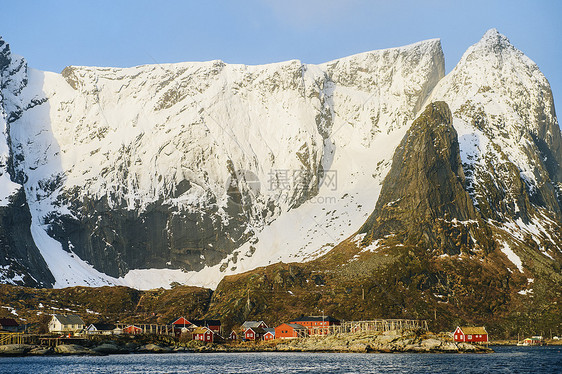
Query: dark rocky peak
x=423, y=200
x=4, y=54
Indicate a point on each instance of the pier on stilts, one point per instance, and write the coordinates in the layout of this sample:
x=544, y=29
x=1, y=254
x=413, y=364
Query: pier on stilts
x=376, y=325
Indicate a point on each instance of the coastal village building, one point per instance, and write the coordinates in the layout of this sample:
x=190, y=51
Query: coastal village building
x=290, y=331
x=181, y=322
x=212, y=324
x=204, y=334
x=269, y=334
x=534, y=340
x=254, y=333
x=9, y=324
x=61, y=323
x=182, y=326
x=471, y=335
x=316, y=325
x=233, y=335
x=102, y=329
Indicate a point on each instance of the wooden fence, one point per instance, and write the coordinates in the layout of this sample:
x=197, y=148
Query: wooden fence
x=151, y=328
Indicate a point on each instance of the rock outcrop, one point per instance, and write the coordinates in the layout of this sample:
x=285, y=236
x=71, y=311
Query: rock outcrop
x=423, y=201
x=73, y=349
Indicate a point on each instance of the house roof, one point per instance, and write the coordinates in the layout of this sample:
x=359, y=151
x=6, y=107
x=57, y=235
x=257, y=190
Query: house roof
x=249, y=324
x=205, y=322
x=69, y=319
x=270, y=330
x=181, y=321
x=257, y=330
x=315, y=319
x=102, y=326
x=8, y=322
x=474, y=330
x=296, y=326
x=201, y=330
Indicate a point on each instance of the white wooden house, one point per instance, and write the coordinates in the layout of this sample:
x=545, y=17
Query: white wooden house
x=61, y=323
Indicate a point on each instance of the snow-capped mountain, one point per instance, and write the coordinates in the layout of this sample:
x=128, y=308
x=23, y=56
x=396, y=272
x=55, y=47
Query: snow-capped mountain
x=510, y=143
x=188, y=172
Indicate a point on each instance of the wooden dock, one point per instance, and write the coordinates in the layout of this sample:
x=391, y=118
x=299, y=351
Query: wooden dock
x=37, y=339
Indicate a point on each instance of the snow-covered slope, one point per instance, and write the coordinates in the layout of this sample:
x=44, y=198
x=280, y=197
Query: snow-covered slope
x=20, y=261
x=207, y=169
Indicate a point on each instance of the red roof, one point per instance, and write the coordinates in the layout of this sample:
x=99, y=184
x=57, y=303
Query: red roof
x=181, y=321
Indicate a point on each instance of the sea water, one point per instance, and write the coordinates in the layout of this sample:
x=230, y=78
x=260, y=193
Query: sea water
x=505, y=360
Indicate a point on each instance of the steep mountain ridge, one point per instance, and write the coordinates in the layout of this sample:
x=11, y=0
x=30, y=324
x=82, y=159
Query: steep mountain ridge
x=20, y=260
x=205, y=167
x=423, y=194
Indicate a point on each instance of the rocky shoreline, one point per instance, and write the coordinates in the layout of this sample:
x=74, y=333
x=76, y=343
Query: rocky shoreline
x=388, y=342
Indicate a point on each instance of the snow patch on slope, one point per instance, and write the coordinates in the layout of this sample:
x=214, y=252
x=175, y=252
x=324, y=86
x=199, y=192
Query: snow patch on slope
x=512, y=256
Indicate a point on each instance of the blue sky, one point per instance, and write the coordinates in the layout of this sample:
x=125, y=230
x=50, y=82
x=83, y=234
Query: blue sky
x=54, y=34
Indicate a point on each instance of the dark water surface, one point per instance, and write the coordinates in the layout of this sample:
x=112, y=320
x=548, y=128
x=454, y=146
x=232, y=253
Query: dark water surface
x=505, y=360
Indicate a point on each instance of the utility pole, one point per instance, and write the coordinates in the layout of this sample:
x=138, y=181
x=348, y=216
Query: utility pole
x=248, y=301
x=362, y=293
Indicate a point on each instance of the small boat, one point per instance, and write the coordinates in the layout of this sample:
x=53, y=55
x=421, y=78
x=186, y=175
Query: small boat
x=523, y=344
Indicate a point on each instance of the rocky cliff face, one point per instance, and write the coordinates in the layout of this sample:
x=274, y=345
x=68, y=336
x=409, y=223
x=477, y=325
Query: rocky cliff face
x=423, y=201
x=20, y=261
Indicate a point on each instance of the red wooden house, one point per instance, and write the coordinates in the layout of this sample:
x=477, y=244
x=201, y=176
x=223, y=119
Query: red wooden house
x=290, y=331
x=203, y=334
x=254, y=333
x=132, y=329
x=233, y=335
x=316, y=325
x=471, y=335
x=269, y=334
